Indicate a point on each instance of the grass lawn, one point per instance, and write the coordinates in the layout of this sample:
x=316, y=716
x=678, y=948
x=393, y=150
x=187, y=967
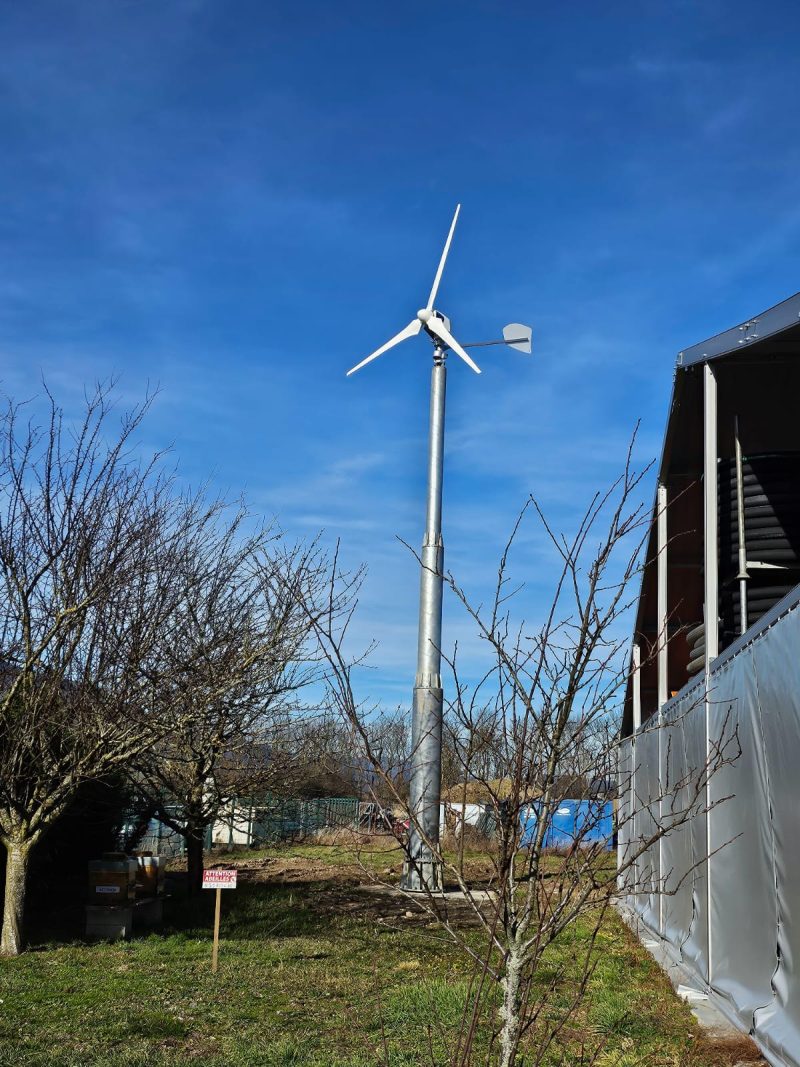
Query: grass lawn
x=313, y=973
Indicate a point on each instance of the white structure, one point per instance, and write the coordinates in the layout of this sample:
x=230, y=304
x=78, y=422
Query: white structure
x=716, y=678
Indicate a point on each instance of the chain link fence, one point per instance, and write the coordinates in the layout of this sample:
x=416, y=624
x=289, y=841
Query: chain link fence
x=250, y=821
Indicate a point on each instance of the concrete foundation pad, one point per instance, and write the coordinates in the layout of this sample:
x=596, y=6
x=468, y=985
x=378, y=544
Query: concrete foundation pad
x=480, y=896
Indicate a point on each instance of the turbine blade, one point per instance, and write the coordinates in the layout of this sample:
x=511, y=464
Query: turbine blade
x=437, y=326
x=411, y=330
x=438, y=277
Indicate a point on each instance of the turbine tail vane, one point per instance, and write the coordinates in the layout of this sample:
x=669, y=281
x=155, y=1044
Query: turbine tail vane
x=518, y=336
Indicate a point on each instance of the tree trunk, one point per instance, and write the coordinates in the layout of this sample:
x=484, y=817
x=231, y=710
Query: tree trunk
x=195, y=832
x=17, y=857
x=511, y=1010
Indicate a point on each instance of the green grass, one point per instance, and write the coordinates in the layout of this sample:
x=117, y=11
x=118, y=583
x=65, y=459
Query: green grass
x=310, y=978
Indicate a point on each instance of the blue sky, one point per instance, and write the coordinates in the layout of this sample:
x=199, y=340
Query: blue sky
x=237, y=202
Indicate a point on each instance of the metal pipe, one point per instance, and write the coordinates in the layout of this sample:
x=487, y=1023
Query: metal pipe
x=710, y=515
x=742, y=575
x=662, y=666
x=637, y=687
x=505, y=341
x=661, y=567
x=421, y=871
x=711, y=608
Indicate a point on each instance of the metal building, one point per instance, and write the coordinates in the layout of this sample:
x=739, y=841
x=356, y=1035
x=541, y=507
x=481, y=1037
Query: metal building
x=711, y=733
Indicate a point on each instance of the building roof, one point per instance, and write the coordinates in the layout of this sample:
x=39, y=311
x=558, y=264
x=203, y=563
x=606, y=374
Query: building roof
x=758, y=365
x=768, y=323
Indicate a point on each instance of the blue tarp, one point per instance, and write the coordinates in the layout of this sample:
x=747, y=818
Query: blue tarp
x=588, y=822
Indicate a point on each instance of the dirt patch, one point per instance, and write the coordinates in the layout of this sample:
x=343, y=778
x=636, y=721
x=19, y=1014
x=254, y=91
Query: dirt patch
x=294, y=870
x=290, y=869
x=350, y=889
x=387, y=905
x=729, y=1051
x=281, y=870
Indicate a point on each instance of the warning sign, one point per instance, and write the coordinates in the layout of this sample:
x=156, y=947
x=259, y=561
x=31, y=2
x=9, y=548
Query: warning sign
x=219, y=879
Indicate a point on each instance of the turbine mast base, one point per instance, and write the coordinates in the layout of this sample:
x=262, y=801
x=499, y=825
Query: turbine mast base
x=421, y=870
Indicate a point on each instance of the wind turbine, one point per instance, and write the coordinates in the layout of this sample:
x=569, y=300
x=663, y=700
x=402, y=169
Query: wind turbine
x=421, y=873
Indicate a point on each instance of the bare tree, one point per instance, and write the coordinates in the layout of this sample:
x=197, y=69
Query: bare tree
x=390, y=742
x=323, y=760
x=85, y=529
x=227, y=673
x=545, y=710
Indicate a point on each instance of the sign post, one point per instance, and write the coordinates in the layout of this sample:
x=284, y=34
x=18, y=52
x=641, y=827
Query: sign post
x=218, y=879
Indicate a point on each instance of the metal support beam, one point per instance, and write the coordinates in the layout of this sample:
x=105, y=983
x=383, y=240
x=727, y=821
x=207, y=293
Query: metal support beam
x=742, y=575
x=710, y=513
x=663, y=643
x=636, y=684
x=711, y=605
x=662, y=668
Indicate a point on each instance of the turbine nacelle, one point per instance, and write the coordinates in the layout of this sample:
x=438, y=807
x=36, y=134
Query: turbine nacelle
x=426, y=314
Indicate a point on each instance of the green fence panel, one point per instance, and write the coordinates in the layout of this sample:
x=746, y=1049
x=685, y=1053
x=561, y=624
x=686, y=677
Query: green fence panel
x=284, y=818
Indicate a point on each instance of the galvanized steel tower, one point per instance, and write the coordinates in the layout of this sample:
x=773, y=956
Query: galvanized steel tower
x=421, y=872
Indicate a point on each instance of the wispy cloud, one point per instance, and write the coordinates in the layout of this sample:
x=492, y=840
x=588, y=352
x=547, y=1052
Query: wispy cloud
x=230, y=207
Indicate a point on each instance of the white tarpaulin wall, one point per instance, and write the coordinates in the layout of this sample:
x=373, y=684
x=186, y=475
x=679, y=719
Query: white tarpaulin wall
x=730, y=908
x=676, y=846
